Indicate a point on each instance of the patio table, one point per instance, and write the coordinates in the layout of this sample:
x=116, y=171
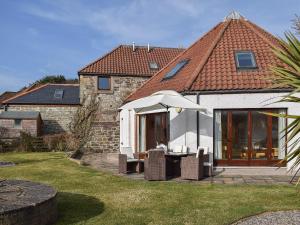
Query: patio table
x=173, y=163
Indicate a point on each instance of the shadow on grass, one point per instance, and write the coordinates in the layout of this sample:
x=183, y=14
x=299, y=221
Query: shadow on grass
x=32, y=161
x=74, y=208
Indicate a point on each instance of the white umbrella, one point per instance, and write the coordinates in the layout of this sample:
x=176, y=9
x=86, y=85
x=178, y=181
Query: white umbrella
x=162, y=100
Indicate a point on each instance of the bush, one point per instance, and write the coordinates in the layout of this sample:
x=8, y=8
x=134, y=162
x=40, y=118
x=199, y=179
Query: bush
x=26, y=142
x=56, y=142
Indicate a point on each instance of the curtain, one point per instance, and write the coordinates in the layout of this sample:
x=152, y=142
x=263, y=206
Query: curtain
x=281, y=135
x=218, y=135
x=142, y=133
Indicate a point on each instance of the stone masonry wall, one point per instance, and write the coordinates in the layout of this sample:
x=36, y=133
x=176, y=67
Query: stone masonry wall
x=106, y=131
x=29, y=126
x=55, y=118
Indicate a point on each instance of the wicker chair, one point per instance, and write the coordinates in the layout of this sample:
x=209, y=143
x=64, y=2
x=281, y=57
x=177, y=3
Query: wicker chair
x=127, y=162
x=128, y=165
x=155, y=165
x=208, y=162
x=192, y=167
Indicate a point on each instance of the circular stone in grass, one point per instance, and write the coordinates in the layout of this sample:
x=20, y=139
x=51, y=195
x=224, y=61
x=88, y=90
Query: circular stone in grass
x=27, y=203
x=5, y=164
x=272, y=218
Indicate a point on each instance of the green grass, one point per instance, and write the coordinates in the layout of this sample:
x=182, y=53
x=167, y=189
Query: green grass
x=91, y=197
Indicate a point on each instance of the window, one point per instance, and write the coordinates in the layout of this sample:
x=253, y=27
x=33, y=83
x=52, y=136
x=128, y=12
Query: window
x=58, y=94
x=153, y=65
x=245, y=60
x=104, y=83
x=176, y=69
x=17, y=123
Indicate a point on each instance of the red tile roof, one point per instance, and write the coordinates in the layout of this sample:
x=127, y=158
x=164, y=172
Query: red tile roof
x=124, y=61
x=7, y=95
x=212, y=62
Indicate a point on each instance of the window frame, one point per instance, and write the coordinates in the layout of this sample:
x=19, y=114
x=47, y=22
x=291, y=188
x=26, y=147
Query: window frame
x=253, y=59
x=61, y=94
x=186, y=61
x=19, y=126
x=152, y=63
x=109, y=83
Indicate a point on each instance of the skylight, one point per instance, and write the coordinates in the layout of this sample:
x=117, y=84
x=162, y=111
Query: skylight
x=153, y=65
x=245, y=60
x=58, y=94
x=176, y=69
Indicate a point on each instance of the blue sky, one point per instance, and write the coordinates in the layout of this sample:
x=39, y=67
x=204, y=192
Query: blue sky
x=42, y=37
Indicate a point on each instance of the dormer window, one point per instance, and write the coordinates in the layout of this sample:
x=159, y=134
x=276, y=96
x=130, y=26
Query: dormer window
x=58, y=94
x=153, y=65
x=245, y=60
x=176, y=69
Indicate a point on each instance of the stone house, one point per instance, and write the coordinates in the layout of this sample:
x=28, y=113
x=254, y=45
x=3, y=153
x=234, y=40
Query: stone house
x=112, y=78
x=13, y=122
x=56, y=104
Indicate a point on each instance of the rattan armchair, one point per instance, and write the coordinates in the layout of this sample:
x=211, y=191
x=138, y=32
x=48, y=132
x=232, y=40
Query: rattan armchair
x=128, y=165
x=192, y=167
x=155, y=166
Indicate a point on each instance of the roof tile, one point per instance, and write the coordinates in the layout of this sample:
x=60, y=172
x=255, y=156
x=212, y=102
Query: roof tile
x=124, y=61
x=219, y=72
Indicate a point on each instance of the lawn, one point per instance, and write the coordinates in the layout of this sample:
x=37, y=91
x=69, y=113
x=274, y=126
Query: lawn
x=91, y=197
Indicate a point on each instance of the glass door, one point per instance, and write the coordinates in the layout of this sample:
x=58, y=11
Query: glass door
x=248, y=137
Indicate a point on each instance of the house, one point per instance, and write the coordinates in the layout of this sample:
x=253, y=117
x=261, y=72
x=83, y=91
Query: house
x=5, y=95
x=226, y=71
x=14, y=122
x=56, y=104
x=112, y=78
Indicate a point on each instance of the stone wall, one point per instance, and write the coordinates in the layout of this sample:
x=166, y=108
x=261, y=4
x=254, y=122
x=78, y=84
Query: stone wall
x=30, y=126
x=55, y=118
x=106, y=130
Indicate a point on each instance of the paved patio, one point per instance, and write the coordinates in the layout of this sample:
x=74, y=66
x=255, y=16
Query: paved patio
x=260, y=176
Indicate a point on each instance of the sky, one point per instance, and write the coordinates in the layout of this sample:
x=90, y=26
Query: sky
x=51, y=37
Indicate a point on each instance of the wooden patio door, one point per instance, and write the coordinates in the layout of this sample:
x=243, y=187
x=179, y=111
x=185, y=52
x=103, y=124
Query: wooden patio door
x=249, y=139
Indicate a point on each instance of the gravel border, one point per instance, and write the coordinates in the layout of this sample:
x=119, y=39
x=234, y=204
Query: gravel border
x=272, y=218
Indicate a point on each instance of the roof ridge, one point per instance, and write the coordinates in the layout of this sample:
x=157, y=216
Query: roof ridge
x=174, y=59
x=204, y=60
x=99, y=58
x=151, y=46
x=26, y=92
x=63, y=84
x=251, y=26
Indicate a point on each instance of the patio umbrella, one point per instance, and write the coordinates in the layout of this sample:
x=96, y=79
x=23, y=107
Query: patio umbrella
x=162, y=100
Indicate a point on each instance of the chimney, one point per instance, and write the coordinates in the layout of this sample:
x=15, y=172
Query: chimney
x=133, y=46
x=148, y=47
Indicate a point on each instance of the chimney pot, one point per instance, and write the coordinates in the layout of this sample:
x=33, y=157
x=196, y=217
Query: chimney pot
x=133, y=46
x=148, y=47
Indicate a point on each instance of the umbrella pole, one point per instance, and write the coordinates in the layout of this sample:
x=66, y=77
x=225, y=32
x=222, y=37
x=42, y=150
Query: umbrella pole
x=168, y=128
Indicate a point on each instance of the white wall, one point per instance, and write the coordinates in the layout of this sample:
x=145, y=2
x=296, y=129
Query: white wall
x=183, y=127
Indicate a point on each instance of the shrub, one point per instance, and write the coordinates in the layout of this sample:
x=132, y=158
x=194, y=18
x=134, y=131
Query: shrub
x=56, y=142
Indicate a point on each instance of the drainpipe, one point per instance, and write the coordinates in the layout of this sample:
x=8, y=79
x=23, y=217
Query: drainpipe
x=197, y=121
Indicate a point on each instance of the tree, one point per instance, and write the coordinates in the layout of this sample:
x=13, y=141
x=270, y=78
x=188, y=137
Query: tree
x=296, y=24
x=57, y=79
x=288, y=75
x=81, y=125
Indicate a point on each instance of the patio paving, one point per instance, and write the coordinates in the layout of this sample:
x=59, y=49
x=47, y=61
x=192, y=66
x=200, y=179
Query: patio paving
x=102, y=162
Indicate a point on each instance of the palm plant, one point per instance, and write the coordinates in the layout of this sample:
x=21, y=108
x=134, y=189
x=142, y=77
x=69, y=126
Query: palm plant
x=288, y=75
